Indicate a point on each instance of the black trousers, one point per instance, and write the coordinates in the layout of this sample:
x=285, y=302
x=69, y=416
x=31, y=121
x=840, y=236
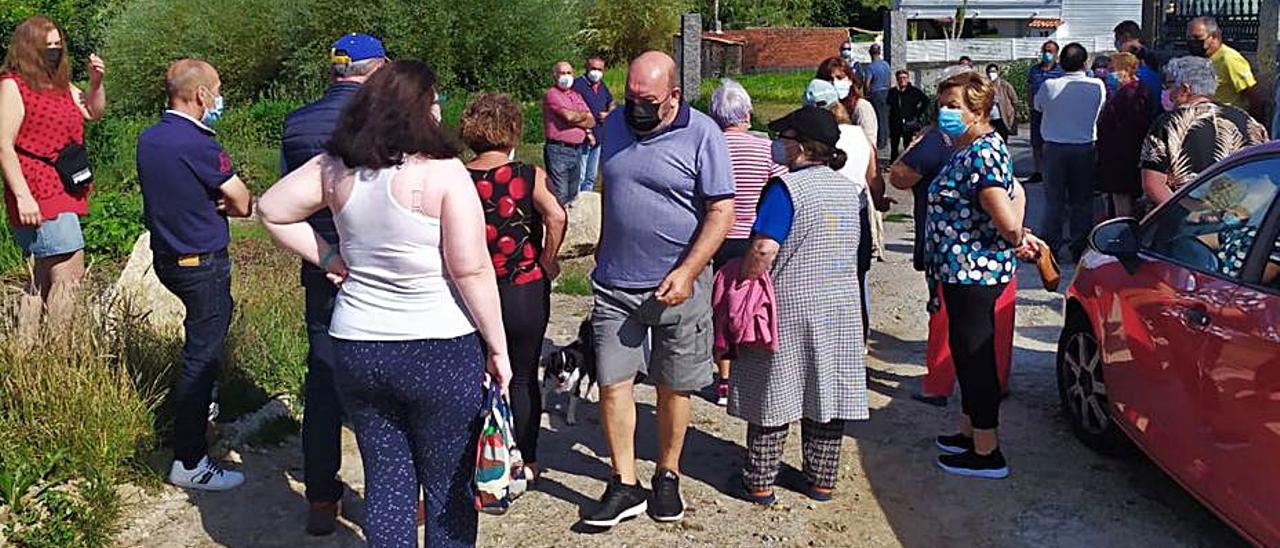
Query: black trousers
x=971, y=315
x=526, y=309
x=1001, y=128
x=899, y=140
x=322, y=416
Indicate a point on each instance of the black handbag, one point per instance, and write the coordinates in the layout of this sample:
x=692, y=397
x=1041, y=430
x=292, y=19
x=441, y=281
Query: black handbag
x=72, y=165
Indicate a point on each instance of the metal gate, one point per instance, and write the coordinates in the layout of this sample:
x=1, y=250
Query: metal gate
x=1237, y=18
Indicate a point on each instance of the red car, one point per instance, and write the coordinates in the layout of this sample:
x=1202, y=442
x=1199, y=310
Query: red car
x=1172, y=340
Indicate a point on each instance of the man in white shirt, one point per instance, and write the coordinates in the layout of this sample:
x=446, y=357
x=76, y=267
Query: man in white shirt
x=1069, y=106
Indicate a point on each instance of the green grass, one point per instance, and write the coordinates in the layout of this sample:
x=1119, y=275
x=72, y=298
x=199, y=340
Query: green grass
x=897, y=217
x=574, y=283
x=780, y=87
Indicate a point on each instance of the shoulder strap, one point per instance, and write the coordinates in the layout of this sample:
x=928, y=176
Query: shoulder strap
x=22, y=150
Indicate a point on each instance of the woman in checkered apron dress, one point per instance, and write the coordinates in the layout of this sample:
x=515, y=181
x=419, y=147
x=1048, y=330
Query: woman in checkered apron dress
x=806, y=236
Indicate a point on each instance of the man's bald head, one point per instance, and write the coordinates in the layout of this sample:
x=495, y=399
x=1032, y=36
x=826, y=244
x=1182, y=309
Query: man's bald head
x=653, y=72
x=186, y=77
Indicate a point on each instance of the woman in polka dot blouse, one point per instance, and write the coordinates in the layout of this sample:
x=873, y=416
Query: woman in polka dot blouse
x=974, y=237
x=41, y=112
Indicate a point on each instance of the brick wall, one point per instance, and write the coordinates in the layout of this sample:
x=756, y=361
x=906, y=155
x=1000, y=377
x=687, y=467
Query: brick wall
x=772, y=49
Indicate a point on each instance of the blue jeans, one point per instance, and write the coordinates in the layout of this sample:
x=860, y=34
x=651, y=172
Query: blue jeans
x=880, y=101
x=415, y=406
x=1069, y=172
x=205, y=292
x=564, y=169
x=322, y=416
x=590, y=163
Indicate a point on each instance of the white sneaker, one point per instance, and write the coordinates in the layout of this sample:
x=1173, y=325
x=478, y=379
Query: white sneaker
x=206, y=476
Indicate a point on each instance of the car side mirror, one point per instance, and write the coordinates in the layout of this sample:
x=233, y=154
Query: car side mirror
x=1116, y=238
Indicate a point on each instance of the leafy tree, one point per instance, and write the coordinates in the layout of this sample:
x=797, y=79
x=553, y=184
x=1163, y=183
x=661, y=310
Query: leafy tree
x=621, y=29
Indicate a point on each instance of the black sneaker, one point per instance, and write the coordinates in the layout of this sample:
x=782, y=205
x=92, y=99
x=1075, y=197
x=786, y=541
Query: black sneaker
x=620, y=503
x=667, y=506
x=954, y=444
x=971, y=464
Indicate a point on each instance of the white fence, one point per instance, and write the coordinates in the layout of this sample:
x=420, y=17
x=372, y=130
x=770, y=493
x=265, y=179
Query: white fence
x=985, y=49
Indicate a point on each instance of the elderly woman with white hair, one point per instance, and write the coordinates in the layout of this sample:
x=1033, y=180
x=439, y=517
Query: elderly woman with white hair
x=753, y=167
x=1195, y=133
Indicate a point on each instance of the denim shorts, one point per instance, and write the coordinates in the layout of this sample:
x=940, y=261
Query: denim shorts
x=59, y=236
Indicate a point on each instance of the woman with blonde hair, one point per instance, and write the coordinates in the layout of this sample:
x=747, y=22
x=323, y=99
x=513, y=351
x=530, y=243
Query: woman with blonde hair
x=42, y=118
x=1122, y=125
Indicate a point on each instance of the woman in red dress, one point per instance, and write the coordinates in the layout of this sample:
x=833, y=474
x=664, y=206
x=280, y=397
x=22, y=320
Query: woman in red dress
x=1122, y=126
x=41, y=112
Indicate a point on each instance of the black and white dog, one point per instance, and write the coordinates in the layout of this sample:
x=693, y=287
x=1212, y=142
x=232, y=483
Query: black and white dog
x=572, y=370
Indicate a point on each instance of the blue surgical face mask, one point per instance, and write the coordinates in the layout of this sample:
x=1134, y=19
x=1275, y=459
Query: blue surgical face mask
x=778, y=152
x=212, y=115
x=843, y=87
x=1046, y=57
x=1112, y=80
x=951, y=122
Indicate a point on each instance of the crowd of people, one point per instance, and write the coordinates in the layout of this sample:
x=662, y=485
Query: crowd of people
x=427, y=269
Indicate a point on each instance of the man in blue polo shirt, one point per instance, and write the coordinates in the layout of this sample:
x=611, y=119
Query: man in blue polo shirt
x=593, y=90
x=668, y=204
x=189, y=188
x=353, y=59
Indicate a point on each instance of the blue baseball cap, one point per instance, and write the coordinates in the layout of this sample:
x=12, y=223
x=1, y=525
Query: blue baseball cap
x=356, y=47
x=821, y=93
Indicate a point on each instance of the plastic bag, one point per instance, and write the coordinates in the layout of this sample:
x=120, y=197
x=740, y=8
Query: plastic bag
x=499, y=474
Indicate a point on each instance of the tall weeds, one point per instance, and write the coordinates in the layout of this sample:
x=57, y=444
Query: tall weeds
x=77, y=404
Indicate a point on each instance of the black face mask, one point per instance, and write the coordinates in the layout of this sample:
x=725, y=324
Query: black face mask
x=1196, y=48
x=642, y=117
x=52, y=58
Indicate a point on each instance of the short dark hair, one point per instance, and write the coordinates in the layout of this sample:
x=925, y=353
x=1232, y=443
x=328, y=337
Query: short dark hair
x=1047, y=42
x=390, y=118
x=964, y=58
x=993, y=66
x=901, y=72
x=1073, y=57
x=1128, y=30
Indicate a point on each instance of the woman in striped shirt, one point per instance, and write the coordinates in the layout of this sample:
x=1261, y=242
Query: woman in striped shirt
x=752, y=168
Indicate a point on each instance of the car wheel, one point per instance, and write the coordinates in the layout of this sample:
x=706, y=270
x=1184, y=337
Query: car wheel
x=1082, y=390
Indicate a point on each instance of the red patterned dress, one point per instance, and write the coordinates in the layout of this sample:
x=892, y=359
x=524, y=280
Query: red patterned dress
x=51, y=121
x=513, y=226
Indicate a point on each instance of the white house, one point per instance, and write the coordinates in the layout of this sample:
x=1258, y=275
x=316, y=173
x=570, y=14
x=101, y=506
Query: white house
x=1057, y=19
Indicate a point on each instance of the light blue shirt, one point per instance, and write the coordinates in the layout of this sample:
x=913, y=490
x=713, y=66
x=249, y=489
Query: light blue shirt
x=656, y=188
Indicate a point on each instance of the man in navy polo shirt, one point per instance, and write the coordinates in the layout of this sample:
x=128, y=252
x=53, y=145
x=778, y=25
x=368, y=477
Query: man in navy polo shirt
x=593, y=90
x=189, y=188
x=353, y=59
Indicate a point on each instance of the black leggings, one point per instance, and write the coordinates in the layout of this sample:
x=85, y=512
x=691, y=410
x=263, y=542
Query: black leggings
x=971, y=314
x=525, y=311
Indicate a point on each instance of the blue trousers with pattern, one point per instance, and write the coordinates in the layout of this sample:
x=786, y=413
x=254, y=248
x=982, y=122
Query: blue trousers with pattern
x=415, y=408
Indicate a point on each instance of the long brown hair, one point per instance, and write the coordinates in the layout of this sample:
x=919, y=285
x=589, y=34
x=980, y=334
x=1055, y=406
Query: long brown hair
x=390, y=118
x=26, y=55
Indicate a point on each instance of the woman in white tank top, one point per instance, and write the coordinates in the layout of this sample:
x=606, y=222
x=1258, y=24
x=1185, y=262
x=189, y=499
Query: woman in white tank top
x=416, y=284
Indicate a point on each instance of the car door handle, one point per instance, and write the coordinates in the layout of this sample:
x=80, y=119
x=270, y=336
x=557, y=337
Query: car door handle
x=1196, y=316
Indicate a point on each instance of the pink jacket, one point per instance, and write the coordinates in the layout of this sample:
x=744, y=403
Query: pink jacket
x=744, y=311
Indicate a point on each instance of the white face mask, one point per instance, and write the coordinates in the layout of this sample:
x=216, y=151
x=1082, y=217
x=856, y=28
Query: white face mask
x=565, y=81
x=594, y=75
x=993, y=76
x=843, y=87
x=511, y=156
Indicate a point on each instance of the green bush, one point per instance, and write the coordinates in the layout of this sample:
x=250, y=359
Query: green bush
x=84, y=22
x=113, y=224
x=512, y=46
x=621, y=29
x=243, y=39
x=113, y=146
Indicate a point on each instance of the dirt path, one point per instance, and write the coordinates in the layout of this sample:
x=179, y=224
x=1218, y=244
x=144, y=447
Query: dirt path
x=890, y=493
x=1060, y=494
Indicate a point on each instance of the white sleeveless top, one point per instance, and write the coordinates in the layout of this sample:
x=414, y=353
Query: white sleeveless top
x=396, y=288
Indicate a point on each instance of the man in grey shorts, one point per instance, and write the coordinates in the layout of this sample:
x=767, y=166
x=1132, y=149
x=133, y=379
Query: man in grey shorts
x=668, y=204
